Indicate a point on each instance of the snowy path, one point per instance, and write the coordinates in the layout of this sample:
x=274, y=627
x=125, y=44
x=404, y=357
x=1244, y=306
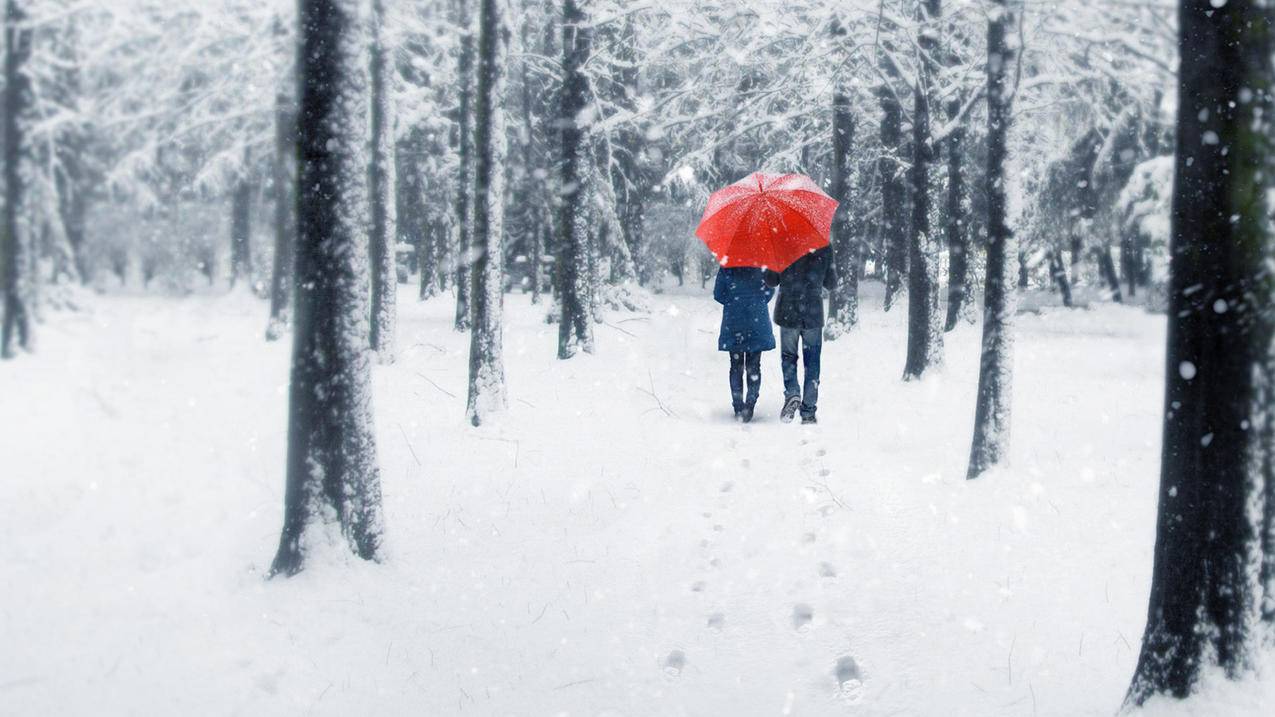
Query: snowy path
x=590, y=552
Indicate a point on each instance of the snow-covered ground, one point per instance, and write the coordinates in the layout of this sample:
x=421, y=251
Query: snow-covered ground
x=613, y=545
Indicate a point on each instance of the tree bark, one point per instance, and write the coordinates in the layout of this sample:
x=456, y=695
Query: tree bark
x=925, y=334
x=381, y=180
x=486, y=360
x=285, y=208
x=1206, y=595
x=575, y=330
x=1058, y=274
x=464, y=178
x=992, y=411
x=333, y=479
x=241, y=229
x=958, y=243
x=843, y=300
x=1108, y=269
x=16, y=243
x=893, y=191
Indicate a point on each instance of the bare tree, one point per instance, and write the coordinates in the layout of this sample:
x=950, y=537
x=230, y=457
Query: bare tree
x=332, y=472
x=486, y=361
x=995, y=375
x=381, y=179
x=16, y=244
x=1211, y=584
x=575, y=330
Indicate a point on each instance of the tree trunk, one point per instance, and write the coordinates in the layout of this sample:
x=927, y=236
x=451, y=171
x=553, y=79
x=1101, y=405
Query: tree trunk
x=925, y=334
x=893, y=191
x=575, y=330
x=1108, y=269
x=381, y=243
x=16, y=243
x=486, y=360
x=464, y=178
x=843, y=300
x=1058, y=273
x=992, y=412
x=285, y=208
x=958, y=243
x=241, y=230
x=333, y=476
x=1206, y=595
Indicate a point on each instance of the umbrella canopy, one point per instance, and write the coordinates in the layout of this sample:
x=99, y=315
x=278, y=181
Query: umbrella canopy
x=766, y=220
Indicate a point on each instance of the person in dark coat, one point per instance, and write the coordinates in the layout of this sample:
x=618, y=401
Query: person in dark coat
x=799, y=315
x=746, y=331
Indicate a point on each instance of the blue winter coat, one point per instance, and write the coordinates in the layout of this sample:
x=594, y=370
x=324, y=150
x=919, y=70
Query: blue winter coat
x=744, y=296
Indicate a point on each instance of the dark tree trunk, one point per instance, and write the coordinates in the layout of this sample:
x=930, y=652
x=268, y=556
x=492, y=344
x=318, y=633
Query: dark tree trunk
x=1128, y=267
x=464, y=178
x=1058, y=274
x=925, y=337
x=332, y=470
x=381, y=189
x=1024, y=278
x=958, y=243
x=1108, y=268
x=241, y=230
x=285, y=208
x=575, y=330
x=992, y=412
x=1206, y=595
x=843, y=300
x=15, y=244
x=486, y=361
x=893, y=191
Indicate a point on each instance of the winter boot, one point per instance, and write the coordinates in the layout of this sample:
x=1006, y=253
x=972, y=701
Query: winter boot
x=791, y=404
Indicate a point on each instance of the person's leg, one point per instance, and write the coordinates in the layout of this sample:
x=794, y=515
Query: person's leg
x=811, y=347
x=788, y=360
x=752, y=366
x=737, y=380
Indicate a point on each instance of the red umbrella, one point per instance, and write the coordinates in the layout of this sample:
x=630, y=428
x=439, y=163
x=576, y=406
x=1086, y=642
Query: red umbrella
x=767, y=220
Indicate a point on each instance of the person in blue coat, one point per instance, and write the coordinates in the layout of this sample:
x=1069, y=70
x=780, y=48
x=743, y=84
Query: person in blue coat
x=746, y=331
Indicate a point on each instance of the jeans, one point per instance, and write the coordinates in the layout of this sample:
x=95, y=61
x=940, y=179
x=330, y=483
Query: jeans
x=811, y=344
x=741, y=363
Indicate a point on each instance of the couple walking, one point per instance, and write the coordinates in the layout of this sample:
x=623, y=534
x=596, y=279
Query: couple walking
x=744, y=293
x=769, y=230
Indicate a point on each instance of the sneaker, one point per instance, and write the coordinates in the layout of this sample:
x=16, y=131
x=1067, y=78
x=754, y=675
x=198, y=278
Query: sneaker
x=791, y=404
x=808, y=420
x=746, y=415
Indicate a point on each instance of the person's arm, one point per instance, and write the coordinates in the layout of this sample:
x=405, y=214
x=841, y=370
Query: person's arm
x=719, y=287
x=830, y=276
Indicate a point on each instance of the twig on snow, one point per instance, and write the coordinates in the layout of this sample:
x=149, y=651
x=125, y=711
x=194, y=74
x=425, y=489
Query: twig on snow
x=431, y=382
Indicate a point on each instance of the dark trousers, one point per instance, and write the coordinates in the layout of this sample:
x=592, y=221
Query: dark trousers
x=742, y=363
x=811, y=344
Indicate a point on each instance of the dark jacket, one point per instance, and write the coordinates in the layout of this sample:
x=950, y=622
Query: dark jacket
x=801, y=286
x=743, y=294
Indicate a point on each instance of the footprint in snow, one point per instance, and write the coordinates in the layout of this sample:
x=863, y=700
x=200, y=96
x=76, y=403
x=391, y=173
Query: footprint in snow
x=846, y=670
x=826, y=570
x=849, y=679
x=698, y=586
x=821, y=452
x=674, y=663
x=716, y=621
x=727, y=486
x=802, y=615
